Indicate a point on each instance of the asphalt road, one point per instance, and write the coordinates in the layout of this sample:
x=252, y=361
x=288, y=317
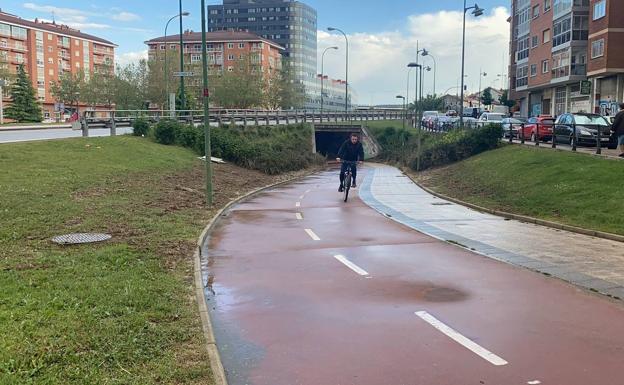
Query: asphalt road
x=54, y=133
x=305, y=289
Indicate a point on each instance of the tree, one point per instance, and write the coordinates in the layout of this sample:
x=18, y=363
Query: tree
x=240, y=88
x=504, y=100
x=430, y=103
x=24, y=106
x=68, y=88
x=486, y=97
x=282, y=90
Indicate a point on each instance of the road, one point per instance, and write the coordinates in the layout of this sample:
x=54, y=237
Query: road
x=54, y=133
x=305, y=289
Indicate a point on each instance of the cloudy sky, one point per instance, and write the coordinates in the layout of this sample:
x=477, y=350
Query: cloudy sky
x=382, y=34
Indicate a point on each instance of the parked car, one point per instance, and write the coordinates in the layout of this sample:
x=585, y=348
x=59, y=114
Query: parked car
x=515, y=124
x=587, y=126
x=490, y=118
x=428, y=118
x=538, y=128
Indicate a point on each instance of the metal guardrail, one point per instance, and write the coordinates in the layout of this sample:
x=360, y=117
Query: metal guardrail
x=119, y=118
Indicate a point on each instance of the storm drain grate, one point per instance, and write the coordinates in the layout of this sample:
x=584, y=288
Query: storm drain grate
x=79, y=238
x=441, y=204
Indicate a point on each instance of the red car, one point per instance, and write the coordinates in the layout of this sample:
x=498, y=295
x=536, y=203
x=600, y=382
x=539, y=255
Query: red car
x=540, y=128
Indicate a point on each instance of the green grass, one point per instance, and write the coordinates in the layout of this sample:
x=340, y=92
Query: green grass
x=573, y=189
x=120, y=312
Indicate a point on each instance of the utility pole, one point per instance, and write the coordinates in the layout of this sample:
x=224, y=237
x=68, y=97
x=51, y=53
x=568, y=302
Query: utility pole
x=206, y=97
x=2, y=84
x=182, y=93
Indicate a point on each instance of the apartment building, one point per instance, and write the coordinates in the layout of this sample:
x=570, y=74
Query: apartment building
x=225, y=50
x=560, y=61
x=47, y=50
x=291, y=24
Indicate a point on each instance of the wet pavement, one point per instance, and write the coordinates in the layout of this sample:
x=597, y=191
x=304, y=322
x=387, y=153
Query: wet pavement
x=305, y=289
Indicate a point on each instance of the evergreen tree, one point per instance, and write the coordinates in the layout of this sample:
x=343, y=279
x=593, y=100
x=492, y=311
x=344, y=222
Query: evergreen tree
x=486, y=98
x=24, y=107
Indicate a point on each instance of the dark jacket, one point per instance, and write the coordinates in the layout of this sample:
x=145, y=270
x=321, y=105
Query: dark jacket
x=618, y=124
x=351, y=152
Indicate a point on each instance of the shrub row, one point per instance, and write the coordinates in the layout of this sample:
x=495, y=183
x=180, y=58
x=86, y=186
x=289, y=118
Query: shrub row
x=272, y=150
x=400, y=146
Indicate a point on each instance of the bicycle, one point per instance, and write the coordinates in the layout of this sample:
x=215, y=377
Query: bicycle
x=348, y=178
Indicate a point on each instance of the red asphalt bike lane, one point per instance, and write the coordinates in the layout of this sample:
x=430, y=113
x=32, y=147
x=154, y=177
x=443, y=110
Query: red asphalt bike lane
x=286, y=311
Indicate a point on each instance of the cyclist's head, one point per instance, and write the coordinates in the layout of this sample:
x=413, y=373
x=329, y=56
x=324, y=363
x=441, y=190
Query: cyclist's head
x=355, y=137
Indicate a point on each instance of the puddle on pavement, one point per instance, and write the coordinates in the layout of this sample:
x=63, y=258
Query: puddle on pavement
x=393, y=290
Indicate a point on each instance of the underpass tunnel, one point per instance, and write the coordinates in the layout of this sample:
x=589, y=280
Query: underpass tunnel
x=328, y=143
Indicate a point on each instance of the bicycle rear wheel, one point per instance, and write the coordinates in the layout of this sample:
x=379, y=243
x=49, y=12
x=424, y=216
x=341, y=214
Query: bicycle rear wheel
x=347, y=186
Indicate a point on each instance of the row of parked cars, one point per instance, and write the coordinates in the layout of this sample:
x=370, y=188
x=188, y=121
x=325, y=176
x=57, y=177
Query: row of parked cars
x=587, y=128
x=563, y=129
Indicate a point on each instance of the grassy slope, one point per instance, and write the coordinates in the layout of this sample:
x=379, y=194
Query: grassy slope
x=121, y=312
x=569, y=188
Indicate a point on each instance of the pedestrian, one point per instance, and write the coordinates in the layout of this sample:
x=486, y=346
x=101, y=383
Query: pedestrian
x=618, y=129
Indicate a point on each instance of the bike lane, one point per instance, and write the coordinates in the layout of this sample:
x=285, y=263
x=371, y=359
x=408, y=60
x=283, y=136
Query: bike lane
x=305, y=289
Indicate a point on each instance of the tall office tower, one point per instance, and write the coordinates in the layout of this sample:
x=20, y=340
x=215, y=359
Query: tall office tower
x=289, y=23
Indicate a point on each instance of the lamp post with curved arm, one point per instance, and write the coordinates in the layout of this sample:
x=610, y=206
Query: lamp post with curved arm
x=323, y=76
x=404, y=112
x=476, y=11
x=166, y=69
x=331, y=29
x=435, y=67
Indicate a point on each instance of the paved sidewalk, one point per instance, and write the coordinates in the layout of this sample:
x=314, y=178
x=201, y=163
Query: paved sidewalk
x=593, y=263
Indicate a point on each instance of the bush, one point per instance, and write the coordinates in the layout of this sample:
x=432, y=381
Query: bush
x=165, y=131
x=140, y=127
x=186, y=136
x=457, y=145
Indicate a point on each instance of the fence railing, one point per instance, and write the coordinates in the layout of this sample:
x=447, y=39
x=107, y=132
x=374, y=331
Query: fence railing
x=569, y=133
x=113, y=119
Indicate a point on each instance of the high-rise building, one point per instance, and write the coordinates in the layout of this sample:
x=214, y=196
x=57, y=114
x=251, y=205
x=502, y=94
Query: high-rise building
x=565, y=56
x=289, y=23
x=47, y=50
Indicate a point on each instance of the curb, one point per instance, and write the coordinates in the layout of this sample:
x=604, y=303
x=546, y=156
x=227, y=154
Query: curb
x=218, y=371
x=549, y=147
x=523, y=218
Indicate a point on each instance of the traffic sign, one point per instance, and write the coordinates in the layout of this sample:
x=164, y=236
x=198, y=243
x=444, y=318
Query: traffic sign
x=183, y=74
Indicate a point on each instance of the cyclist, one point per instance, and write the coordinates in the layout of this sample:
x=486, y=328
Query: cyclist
x=351, y=152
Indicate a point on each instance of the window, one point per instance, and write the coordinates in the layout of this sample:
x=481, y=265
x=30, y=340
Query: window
x=51, y=72
x=534, y=42
x=536, y=11
x=230, y=57
x=230, y=69
x=18, y=32
x=195, y=58
x=562, y=32
x=546, y=5
x=522, y=76
x=546, y=36
x=600, y=9
x=597, y=48
x=545, y=68
x=77, y=54
x=533, y=70
x=241, y=45
x=163, y=47
x=5, y=29
x=561, y=64
x=580, y=28
x=50, y=60
x=523, y=49
x=230, y=45
x=49, y=37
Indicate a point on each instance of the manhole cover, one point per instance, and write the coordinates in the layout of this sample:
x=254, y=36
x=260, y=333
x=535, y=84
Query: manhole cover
x=74, y=239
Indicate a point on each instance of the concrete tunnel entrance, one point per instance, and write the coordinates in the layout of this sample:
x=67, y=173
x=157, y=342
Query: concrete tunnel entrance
x=329, y=137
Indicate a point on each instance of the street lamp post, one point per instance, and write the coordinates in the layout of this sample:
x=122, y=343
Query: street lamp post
x=323, y=76
x=182, y=93
x=420, y=69
x=476, y=11
x=481, y=74
x=404, y=111
x=166, y=74
x=331, y=29
x=206, y=99
x=2, y=84
x=435, y=68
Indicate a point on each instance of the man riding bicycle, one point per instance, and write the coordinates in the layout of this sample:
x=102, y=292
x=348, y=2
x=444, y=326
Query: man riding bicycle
x=351, y=152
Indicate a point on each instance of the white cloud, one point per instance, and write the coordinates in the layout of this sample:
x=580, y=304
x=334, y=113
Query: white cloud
x=130, y=57
x=125, y=16
x=377, y=67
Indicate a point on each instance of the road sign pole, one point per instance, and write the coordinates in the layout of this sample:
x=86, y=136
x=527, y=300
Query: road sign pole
x=206, y=97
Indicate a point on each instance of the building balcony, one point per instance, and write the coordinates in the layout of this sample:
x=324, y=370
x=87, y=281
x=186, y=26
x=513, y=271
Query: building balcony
x=102, y=51
x=17, y=47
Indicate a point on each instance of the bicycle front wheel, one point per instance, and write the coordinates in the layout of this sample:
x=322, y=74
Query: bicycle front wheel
x=347, y=186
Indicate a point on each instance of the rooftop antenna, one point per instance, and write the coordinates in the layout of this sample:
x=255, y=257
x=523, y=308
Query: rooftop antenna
x=53, y=18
